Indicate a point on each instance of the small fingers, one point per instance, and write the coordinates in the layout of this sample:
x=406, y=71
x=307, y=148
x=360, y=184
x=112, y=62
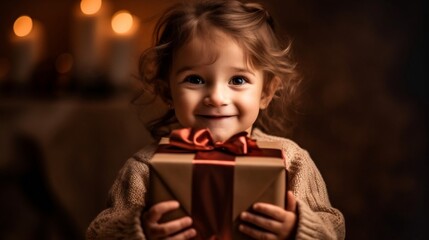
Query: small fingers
x=155, y=213
x=263, y=222
x=156, y=230
x=291, y=202
x=269, y=210
x=169, y=228
x=272, y=219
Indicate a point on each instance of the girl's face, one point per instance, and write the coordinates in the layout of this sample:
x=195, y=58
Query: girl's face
x=213, y=86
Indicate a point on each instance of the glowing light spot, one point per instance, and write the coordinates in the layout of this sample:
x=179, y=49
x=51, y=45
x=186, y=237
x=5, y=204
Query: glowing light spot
x=23, y=26
x=90, y=7
x=122, y=22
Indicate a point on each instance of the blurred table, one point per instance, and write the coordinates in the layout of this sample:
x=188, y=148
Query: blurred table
x=82, y=142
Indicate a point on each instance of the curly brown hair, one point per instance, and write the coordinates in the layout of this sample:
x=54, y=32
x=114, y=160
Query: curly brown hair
x=247, y=23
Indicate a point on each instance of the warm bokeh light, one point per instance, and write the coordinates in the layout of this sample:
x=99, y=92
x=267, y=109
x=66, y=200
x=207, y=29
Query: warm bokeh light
x=23, y=26
x=122, y=22
x=90, y=7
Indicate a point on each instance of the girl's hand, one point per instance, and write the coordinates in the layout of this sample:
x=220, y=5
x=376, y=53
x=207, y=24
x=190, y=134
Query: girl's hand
x=175, y=229
x=273, y=222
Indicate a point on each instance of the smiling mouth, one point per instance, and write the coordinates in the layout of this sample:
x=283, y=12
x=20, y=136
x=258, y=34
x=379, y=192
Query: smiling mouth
x=215, y=117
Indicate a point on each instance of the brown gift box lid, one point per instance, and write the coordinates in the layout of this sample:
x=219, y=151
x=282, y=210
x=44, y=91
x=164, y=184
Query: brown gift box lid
x=256, y=179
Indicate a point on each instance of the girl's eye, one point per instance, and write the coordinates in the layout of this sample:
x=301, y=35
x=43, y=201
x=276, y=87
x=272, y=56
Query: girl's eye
x=238, y=80
x=194, y=79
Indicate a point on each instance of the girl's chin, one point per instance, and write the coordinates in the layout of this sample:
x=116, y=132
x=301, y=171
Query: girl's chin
x=220, y=135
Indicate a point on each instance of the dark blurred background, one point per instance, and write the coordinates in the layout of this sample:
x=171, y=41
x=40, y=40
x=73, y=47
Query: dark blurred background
x=363, y=115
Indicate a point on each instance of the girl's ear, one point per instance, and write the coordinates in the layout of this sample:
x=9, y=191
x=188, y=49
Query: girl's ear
x=268, y=92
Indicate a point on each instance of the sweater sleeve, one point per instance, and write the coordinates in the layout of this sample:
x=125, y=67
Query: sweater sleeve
x=317, y=219
x=121, y=218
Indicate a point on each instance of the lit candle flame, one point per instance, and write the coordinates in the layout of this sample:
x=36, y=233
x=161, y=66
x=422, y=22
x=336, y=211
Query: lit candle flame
x=90, y=7
x=23, y=26
x=122, y=22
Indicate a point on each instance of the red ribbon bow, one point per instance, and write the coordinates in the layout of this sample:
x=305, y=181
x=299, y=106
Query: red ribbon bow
x=202, y=140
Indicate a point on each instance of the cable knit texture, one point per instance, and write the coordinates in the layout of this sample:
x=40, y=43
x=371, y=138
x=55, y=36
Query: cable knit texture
x=317, y=219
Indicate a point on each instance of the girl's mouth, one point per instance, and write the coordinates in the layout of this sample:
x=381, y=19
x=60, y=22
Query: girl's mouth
x=215, y=117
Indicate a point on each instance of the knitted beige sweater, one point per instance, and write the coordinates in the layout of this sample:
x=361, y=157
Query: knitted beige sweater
x=317, y=219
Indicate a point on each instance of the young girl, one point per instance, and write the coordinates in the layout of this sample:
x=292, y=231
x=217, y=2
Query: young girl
x=218, y=65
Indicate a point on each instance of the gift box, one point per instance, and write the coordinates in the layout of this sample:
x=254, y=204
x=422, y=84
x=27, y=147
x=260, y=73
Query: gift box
x=214, y=185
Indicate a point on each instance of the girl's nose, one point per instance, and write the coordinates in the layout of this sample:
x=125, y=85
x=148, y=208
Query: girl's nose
x=217, y=96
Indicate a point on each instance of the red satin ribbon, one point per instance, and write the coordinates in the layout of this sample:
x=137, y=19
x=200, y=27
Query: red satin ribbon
x=212, y=201
x=212, y=184
x=202, y=140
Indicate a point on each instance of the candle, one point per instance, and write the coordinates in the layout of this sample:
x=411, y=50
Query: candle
x=89, y=34
x=26, y=48
x=124, y=27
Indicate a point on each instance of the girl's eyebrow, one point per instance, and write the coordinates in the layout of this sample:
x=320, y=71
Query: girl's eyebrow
x=184, y=69
x=235, y=69
x=243, y=70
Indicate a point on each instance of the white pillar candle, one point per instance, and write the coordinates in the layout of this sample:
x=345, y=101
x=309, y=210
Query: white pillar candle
x=89, y=34
x=122, y=48
x=26, y=41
